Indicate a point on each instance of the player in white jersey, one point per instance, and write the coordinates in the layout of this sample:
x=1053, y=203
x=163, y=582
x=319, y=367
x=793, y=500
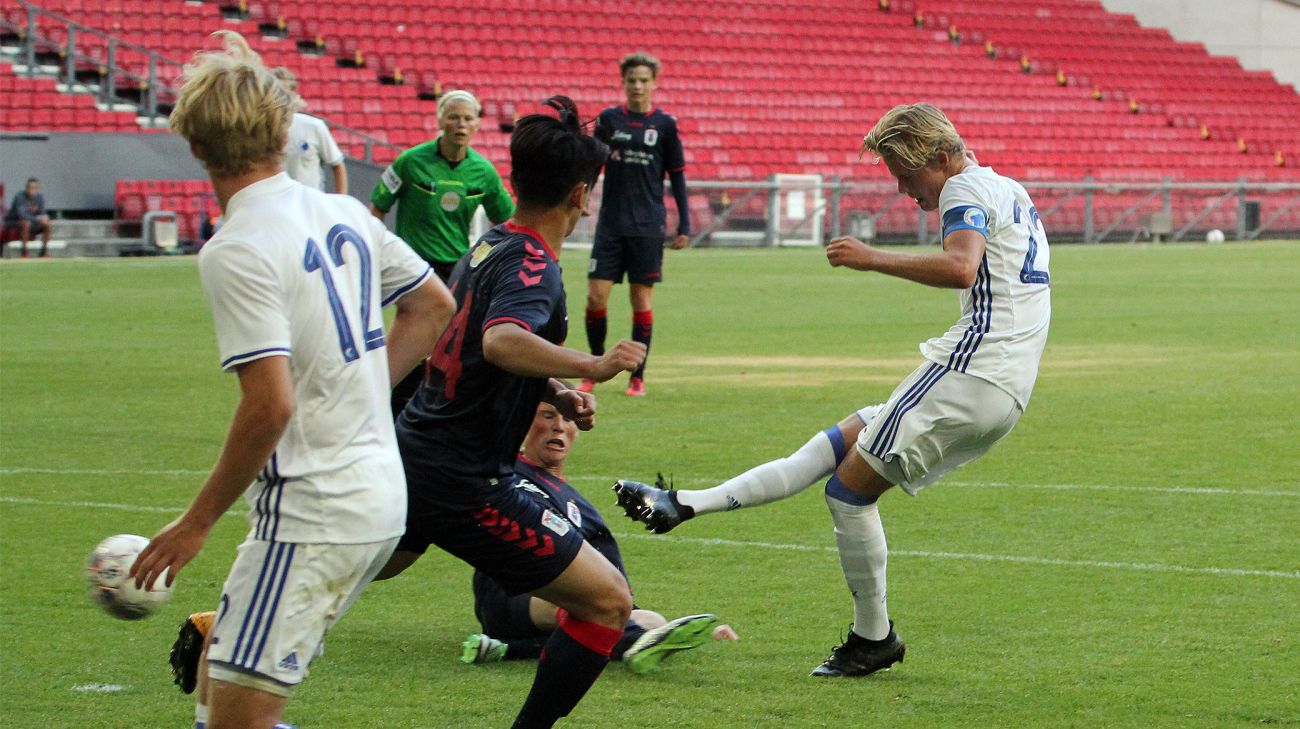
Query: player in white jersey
x=296, y=280
x=970, y=391
x=310, y=144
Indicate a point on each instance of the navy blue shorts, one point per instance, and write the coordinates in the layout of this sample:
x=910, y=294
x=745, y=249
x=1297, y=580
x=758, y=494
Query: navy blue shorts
x=507, y=536
x=503, y=616
x=641, y=259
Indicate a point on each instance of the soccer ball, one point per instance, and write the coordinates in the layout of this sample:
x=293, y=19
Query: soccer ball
x=110, y=586
x=1214, y=236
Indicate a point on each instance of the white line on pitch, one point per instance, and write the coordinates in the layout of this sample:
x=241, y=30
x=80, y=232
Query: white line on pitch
x=1138, y=566
x=1210, y=491
x=970, y=556
x=104, y=471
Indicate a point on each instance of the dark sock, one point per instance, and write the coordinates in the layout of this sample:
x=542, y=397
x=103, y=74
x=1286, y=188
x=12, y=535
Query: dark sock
x=572, y=660
x=630, y=634
x=525, y=649
x=643, y=324
x=596, y=327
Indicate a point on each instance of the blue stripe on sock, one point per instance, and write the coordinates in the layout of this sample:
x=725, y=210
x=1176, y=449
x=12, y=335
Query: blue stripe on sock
x=837, y=441
x=836, y=489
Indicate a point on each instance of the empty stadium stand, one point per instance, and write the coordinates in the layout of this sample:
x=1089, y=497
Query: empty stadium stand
x=1041, y=89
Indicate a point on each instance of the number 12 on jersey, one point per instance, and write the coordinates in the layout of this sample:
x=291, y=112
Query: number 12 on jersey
x=1027, y=273
x=313, y=260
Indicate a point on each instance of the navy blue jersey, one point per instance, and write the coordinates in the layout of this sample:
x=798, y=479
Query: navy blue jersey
x=469, y=416
x=643, y=148
x=557, y=495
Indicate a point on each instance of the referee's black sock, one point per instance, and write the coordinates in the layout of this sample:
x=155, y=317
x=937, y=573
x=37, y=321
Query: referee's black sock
x=572, y=660
x=596, y=327
x=643, y=324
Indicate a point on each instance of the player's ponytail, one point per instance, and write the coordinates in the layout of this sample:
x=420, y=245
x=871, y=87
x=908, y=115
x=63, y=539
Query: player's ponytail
x=550, y=155
x=568, y=112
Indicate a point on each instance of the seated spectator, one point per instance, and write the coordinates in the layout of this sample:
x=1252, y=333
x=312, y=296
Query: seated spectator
x=27, y=214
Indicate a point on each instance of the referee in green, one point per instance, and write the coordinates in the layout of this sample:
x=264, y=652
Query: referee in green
x=438, y=186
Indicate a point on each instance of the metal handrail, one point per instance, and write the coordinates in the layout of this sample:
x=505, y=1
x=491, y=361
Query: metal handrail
x=150, y=84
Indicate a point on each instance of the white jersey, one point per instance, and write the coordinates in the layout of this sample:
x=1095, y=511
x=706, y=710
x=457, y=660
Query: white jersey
x=310, y=145
x=1005, y=315
x=295, y=272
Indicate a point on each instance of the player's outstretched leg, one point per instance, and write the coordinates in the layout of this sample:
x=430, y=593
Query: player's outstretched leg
x=784, y=477
x=681, y=634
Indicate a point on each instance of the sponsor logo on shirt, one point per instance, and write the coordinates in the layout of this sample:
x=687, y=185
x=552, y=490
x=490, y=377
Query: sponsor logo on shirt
x=481, y=251
x=575, y=514
x=621, y=136
x=555, y=522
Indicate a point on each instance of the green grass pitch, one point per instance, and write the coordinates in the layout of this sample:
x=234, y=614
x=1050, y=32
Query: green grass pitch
x=1126, y=558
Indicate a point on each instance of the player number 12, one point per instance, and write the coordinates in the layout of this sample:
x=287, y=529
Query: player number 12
x=313, y=261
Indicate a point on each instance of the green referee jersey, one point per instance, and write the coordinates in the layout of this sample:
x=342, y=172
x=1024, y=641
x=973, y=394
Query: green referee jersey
x=437, y=201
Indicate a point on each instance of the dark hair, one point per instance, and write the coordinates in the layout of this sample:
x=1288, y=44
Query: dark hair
x=548, y=156
x=30, y=180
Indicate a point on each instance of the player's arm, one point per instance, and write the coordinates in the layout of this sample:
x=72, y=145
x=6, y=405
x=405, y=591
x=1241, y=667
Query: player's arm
x=341, y=178
x=955, y=267
x=265, y=405
x=517, y=350
x=387, y=190
x=675, y=161
x=422, y=314
x=498, y=204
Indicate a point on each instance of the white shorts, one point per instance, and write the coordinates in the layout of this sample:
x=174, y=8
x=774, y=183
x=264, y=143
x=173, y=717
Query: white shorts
x=935, y=422
x=278, y=603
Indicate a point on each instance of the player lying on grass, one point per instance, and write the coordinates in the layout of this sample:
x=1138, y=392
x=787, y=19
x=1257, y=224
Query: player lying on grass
x=516, y=627
x=968, y=394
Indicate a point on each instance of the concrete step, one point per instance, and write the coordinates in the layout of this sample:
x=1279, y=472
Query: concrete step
x=77, y=229
x=81, y=248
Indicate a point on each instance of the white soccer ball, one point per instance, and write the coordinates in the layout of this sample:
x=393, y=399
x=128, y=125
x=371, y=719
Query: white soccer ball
x=1214, y=236
x=110, y=586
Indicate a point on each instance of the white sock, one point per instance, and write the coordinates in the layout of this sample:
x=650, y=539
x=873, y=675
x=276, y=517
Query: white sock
x=863, y=554
x=200, y=716
x=769, y=482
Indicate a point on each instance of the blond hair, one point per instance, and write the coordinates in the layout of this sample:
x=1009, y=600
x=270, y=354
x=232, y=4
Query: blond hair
x=640, y=58
x=459, y=95
x=232, y=110
x=290, y=83
x=911, y=135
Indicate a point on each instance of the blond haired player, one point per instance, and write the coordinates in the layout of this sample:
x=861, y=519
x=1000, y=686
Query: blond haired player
x=296, y=280
x=310, y=143
x=969, y=392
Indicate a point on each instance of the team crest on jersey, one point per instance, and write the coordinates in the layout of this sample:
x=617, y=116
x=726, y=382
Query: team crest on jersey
x=555, y=522
x=449, y=201
x=481, y=251
x=975, y=218
x=651, y=136
x=575, y=514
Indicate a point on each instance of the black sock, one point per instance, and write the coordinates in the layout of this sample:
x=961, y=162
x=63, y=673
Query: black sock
x=630, y=635
x=643, y=324
x=568, y=668
x=525, y=649
x=596, y=327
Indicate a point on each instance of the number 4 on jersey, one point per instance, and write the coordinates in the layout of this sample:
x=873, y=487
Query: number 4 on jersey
x=446, y=353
